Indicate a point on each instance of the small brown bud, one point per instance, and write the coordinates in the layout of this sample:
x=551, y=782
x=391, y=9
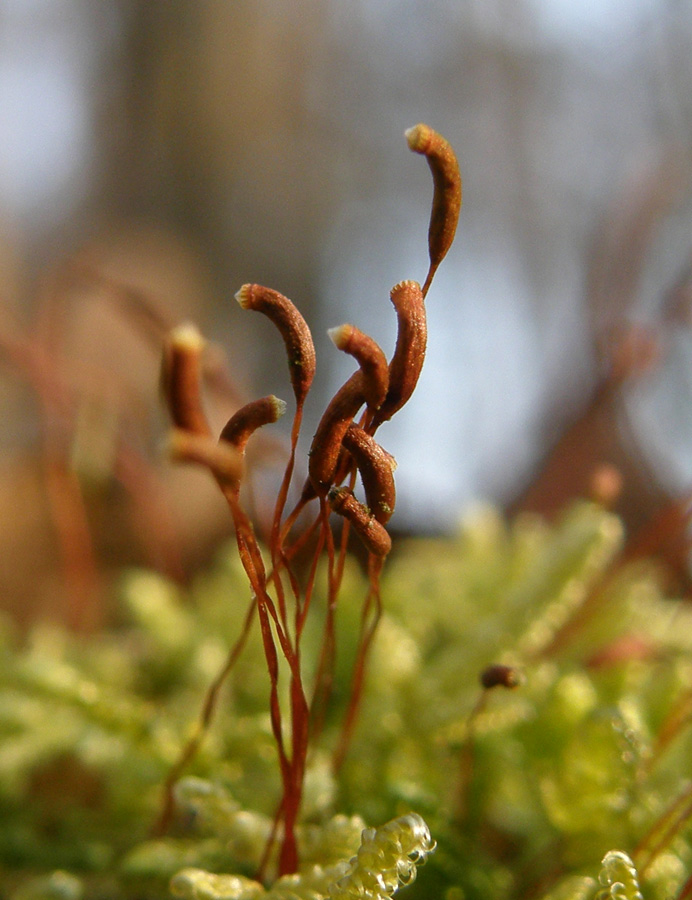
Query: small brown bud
x=222, y=460
x=249, y=418
x=376, y=468
x=409, y=354
x=447, y=192
x=370, y=358
x=605, y=485
x=498, y=675
x=371, y=532
x=326, y=444
x=293, y=328
x=181, y=381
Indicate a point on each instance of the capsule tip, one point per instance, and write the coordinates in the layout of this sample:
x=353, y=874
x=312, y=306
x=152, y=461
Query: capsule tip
x=339, y=335
x=406, y=285
x=244, y=296
x=279, y=406
x=186, y=336
x=418, y=137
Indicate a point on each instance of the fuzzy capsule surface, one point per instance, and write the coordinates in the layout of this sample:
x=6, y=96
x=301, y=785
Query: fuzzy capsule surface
x=243, y=423
x=326, y=444
x=292, y=327
x=376, y=468
x=409, y=354
x=181, y=379
x=369, y=356
x=371, y=532
x=446, y=203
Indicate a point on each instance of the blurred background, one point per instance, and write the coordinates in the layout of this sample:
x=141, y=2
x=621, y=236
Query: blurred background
x=154, y=156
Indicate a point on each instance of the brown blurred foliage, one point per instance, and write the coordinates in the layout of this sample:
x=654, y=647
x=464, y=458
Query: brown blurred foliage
x=225, y=142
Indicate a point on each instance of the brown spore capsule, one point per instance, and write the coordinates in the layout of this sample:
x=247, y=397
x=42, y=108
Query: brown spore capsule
x=498, y=675
x=369, y=356
x=409, y=354
x=181, y=379
x=446, y=203
x=371, y=532
x=326, y=444
x=292, y=327
x=249, y=418
x=222, y=460
x=376, y=468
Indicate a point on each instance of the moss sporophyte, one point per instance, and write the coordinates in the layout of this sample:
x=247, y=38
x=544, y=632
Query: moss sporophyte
x=528, y=711
x=341, y=450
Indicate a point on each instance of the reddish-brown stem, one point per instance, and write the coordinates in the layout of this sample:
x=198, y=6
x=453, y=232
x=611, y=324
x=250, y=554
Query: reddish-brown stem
x=246, y=553
x=686, y=890
x=325, y=668
x=253, y=564
x=300, y=719
x=271, y=841
x=300, y=353
x=664, y=829
x=337, y=563
x=290, y=769
x=300, y=714
x=279, y=559
x=372, y=611
x=66, y=505
x=293, y=768
x=71, y=525
x=467, y=758
x=291, y=519
x=343, y=546
x=493, y=676
x=224, y=459
x=209, y=705
x=677, y=719
x=236, y=433
x=302, y=608
x=295, y=548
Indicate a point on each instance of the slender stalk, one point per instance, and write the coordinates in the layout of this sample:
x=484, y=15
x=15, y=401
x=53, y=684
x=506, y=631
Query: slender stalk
x=325, y=668
x=372, y=612
x=206, y=716
x=664, y=829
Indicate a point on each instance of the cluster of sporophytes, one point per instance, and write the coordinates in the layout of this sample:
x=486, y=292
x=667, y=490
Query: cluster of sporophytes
x=528, y=701
x=341, y=450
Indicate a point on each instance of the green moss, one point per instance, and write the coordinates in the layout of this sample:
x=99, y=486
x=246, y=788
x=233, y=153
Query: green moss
x=525, y=790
